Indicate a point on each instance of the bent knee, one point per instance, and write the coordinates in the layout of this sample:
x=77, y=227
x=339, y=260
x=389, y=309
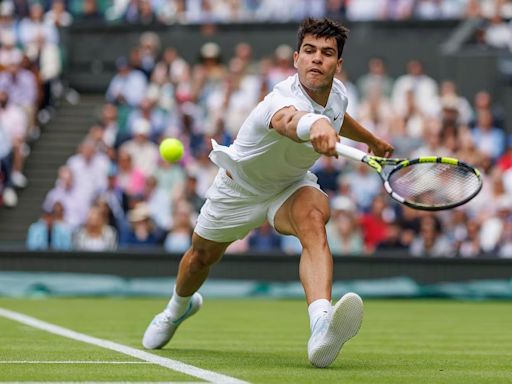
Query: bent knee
x=312, y=221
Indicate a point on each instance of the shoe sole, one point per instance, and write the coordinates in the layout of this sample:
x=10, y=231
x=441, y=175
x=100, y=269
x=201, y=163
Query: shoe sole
x=346, y=320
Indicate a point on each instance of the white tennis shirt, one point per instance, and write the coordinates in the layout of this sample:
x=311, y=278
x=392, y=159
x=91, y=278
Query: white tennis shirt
x=263, y=161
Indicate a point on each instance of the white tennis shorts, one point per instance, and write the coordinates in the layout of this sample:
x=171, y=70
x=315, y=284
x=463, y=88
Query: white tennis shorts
x=231, y=212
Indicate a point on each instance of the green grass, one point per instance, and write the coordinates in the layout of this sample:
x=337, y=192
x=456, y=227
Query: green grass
x=264, y=341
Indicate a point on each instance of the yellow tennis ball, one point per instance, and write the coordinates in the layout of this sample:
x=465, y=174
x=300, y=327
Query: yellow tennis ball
x=171, y=150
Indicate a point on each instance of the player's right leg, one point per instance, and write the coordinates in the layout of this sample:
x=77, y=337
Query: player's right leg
x=304, y=215
x=185, y=301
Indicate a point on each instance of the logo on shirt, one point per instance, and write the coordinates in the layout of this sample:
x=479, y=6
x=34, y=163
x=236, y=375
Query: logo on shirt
x=337, y=117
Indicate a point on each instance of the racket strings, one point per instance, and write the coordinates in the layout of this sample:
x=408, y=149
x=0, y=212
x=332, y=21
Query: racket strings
x=434, y=183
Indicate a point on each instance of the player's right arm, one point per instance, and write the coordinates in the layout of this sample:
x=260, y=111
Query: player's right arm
x=321, y=133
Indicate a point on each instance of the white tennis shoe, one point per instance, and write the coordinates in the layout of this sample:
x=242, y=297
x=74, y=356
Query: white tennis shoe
x=333, y=330
x=162, y=328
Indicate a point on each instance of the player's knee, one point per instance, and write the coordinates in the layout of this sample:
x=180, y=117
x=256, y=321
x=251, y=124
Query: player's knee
x=312, y=222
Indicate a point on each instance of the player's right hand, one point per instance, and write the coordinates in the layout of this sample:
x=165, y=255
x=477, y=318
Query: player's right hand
x=323, y=137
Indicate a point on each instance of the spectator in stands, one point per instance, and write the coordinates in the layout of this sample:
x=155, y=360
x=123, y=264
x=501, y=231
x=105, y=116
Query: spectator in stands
x=363, y=10
x=58, y=15
x=139, y=12
x=142, y=231
x=108, y=120
x=90, y=11
x=170, y=177
x=156, y=118
x=376, y=81
x=203, y=170
x=46, y=57
x=34, y=25
x=328, y=173
x=423, y=88
x=431, y=241
x=493, y=226
x=128, y=86
x=189, y=193
x=282, y=66
x=149, y=49
x=7, y=20
x=50, y=231
x=395, y=239
x=498, y=33
x=209, y=74
x=505, y=161
x=144, y=152
x=14, y=123
x=483, y=101
x=363, y=183
x=343, y=230
x=70, y=196
x=115, y=198
x=439, y=9
x=159, y=204
x=178, y=239
x=129, y=178
x=8, y=49
x=90, y=168
x=335, y=9
x=450, y=98
x=21, y=85
x=264, y=239
x=489, y=139
x=376, y=113
x=95, y=235
x=505, y=244
x=171, y=11
x=233, y=100
x=470, y=245
x=374, y=224
x=9, y=195
x=170, y=81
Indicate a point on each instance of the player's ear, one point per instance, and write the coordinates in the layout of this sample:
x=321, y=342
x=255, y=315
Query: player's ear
x=295, y=58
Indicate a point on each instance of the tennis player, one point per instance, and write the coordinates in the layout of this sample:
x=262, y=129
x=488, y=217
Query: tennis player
x=264, y=175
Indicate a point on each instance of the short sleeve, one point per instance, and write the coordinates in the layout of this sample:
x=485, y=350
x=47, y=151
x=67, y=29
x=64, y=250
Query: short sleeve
x=275, y=102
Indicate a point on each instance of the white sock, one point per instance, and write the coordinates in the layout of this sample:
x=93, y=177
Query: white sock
x=177, y=305
x=316, y=309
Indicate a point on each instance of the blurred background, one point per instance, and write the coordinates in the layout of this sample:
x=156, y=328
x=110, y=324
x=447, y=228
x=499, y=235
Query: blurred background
x=88, y=89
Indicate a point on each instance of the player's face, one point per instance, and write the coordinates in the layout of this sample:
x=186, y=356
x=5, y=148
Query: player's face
x=317, y=62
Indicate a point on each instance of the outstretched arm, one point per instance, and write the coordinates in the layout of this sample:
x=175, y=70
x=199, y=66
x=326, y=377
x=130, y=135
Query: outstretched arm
x=303, y=126
x=355, y=131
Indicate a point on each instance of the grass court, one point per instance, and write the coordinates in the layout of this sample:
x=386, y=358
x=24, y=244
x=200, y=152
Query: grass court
x=259, y=341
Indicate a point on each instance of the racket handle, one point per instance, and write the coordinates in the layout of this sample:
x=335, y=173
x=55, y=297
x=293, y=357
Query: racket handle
x=350, y=152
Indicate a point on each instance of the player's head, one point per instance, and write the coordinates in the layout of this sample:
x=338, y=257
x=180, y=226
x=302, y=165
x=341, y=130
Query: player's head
x=318, y=56
x=323, y=28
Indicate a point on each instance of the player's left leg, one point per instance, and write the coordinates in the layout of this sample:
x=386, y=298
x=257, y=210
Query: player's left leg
x=304, y=215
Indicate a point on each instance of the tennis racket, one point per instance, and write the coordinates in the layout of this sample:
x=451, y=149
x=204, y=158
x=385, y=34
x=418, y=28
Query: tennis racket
x=428, y=183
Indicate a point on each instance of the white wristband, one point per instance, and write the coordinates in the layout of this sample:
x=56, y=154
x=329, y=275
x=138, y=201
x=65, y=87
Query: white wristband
x=306, y=122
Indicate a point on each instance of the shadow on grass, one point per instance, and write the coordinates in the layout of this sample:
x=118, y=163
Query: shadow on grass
x=257, y=360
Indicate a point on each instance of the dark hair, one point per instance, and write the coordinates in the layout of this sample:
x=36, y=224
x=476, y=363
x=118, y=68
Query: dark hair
x=323, y=28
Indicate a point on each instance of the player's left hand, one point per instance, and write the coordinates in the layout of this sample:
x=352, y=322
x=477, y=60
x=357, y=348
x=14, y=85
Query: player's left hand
x=381, y=148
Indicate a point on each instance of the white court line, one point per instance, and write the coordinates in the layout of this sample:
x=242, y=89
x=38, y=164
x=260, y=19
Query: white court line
x=70, y=362
x=174, y=365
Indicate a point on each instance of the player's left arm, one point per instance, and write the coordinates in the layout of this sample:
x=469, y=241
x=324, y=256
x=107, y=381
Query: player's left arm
x=351, y=129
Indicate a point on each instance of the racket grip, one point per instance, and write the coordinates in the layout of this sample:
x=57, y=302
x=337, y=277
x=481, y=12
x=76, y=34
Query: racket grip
x=350, y=152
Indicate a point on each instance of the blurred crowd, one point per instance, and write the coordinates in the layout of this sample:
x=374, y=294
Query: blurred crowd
x=30, y=70
x=65, y=12
x=116, y=191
